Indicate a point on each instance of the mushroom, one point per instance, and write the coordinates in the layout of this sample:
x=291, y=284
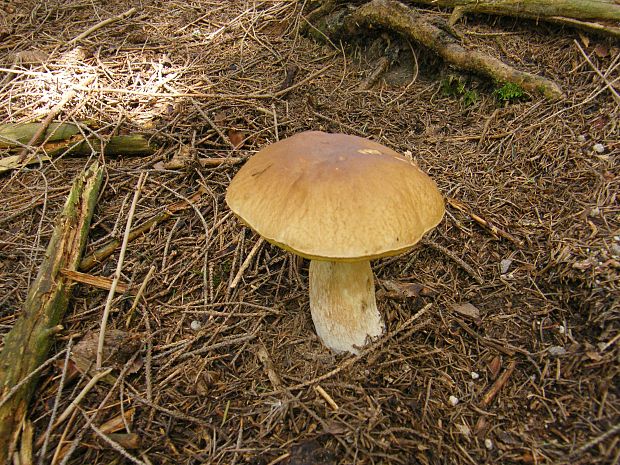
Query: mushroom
x=340, y=201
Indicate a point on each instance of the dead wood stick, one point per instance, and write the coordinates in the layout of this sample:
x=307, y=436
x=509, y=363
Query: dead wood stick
x=597, y=28
x=459, y=205
x=440, y=248
x=593, y=442
x=108, y=249
x=207, y=162
x=484, y=341
x=265, y=359
x=15, y=135
x=100, y=282
x=178, y=163
x=111, y=442
x=215, y=127
x=536, y=9
x=138, y=295
x=613, y=91
x=27, y=344
x=246, y=263
x=498, y=385
x=117, y=273
x=401, y=18
x=66, y=98
x=381, y=67
x=76, y=401
x=329, y=399
x=101, y=24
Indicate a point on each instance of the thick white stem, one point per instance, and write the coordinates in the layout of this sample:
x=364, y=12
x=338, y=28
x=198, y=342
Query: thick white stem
x=343, y=306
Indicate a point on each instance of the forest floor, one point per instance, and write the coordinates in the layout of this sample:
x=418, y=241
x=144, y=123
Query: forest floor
x=214, y=374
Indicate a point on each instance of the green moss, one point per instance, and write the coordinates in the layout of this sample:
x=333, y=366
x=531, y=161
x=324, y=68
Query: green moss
x=509, y=92
x=455, y=87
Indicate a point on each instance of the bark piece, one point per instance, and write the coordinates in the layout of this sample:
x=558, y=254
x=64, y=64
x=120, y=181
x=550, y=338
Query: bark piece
x=27, y=344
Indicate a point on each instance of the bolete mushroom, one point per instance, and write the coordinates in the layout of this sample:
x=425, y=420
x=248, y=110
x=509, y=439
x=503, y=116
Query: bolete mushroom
x=339, y=201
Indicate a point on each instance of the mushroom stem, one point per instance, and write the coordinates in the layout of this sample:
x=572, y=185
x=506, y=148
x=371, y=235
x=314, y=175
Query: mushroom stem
x=342, y=303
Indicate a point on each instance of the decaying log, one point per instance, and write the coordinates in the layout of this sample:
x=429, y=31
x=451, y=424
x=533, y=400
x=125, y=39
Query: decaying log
x=399, y=17
x=65, y=138
x=27, y=344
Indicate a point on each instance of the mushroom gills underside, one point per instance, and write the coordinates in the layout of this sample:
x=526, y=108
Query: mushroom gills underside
x=343, y=305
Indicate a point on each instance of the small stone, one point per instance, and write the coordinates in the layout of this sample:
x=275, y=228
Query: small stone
x=504, y=265
x=557, y=351
x=488, y=444
x=474, y=375
x=581, y=138
x=453, y=401
x=195, y=325
x=598, y=148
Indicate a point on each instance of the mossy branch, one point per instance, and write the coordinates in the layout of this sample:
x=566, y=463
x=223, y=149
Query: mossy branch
x=399, y=17
x=27, y=344
x=576, y=9
x=592, y=15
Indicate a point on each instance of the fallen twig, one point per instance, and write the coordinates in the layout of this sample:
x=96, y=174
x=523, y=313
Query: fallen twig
x=497, y=232
x=483, y=340
x=323, y=393
x=557, y=11
x=100, y=282
x=246, y=263
x=593, y=442
x=498, y=385
x=76, y=401
x=613, y=91
x=115, y=445
x=367, y=350
x=117, y=273
x=138, y=296
x=264, y=357
x=101, y=24
x=381, y=66
x=108, y=249
x=440, y=248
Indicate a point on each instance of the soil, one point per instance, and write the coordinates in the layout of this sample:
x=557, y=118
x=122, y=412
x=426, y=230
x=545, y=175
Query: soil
x=502, y=325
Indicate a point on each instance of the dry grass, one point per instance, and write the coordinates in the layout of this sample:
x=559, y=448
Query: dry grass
x=252, y=382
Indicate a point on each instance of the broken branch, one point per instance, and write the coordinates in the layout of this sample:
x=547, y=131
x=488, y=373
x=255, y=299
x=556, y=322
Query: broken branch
x=498, y=385
x=27, y=344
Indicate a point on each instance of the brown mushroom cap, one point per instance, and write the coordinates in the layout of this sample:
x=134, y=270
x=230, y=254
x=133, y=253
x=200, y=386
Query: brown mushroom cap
x=335, y=197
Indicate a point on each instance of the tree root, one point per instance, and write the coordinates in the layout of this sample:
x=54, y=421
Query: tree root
x=401, y=18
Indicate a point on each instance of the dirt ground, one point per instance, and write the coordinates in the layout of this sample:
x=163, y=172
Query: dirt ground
x=214, y=374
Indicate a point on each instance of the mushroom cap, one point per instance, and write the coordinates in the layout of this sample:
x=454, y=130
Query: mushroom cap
x=335, y=197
